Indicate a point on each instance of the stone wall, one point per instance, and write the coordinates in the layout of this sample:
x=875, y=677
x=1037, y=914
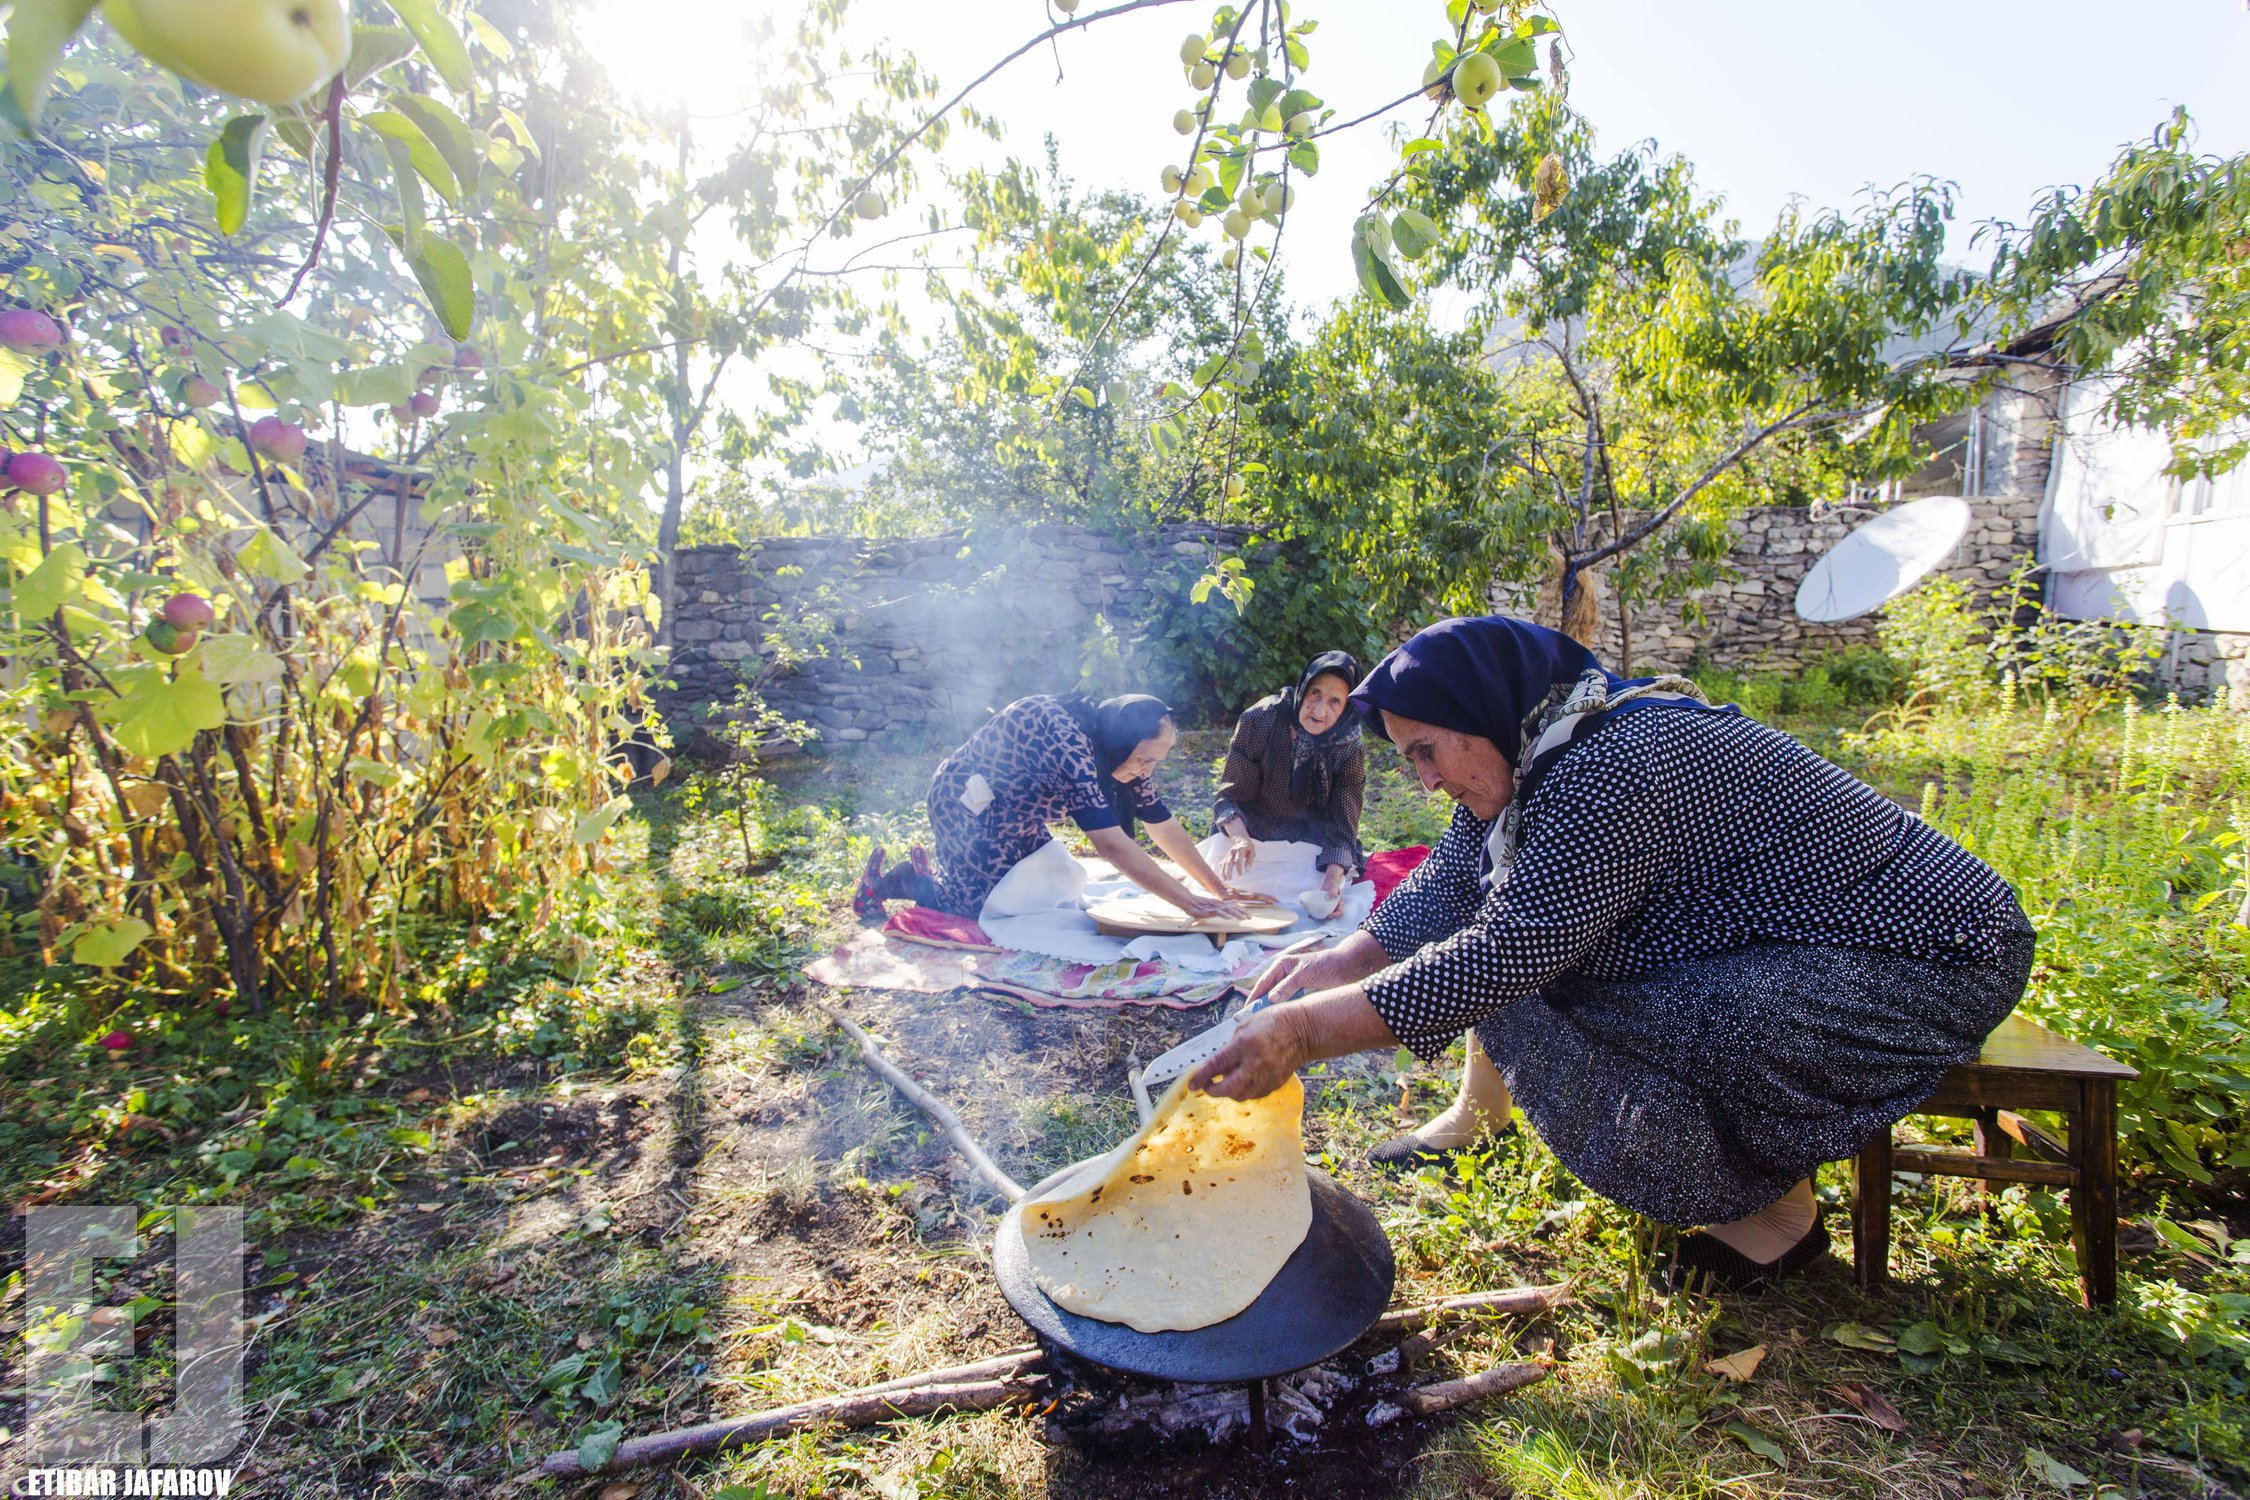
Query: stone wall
x=931, y=634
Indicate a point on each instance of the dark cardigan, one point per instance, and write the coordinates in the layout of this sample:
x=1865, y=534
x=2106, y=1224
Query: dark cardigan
x=1255, y=788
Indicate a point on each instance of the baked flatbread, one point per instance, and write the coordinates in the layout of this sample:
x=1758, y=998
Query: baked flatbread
x=1183, y=1225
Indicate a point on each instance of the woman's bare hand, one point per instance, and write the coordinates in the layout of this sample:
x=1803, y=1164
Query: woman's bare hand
x=1205, y=906
x=1240, y=856
x=1266, y=1048
x=1296, y=974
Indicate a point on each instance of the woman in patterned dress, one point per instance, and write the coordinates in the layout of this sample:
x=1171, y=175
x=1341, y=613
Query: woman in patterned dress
x=1296, y=771
x=1038, y=760
x=1702, y=959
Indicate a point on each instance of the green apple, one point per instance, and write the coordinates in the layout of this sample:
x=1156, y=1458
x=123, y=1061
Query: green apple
x=1201, y=75
x=1184, y=122
x=1231, y=256
x=1435, y=84
x=1188, y=213
x=1476, y=78
x=1279, y=199
x=1301, y=124
x=869, y=204
x=1172, y=180
x=1238, y=64
x=1192, y=49
x=1067, y=7
x=1199, y=182
x=1236, y=223
x=1234, y=486
x=274, y=51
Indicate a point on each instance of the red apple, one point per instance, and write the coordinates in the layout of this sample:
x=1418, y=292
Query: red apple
x=467, y=358
x=162, y=635
x=189, y=612
x=196, y=391
x=28, y=332
x=283, y=442
x=423, y=404
x=35, y=474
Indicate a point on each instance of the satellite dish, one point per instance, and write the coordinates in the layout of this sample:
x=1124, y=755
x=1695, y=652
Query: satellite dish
x=1882, y=559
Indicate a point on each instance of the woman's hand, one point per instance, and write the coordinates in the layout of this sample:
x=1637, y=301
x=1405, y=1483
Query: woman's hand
x=1265, y=1049
x=1204, y=906
x=1333, y=879
x=1295, y=974
x=1240, y=856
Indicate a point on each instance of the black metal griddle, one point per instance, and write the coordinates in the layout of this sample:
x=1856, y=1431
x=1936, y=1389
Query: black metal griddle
x=1326, y=1295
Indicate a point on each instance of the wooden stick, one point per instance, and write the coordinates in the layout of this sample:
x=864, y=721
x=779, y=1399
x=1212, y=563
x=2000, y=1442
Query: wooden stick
x=956, y=1132
x=1006, y=1362
x=851, y=1409
x=1515, y=1299
x=1444, y=1395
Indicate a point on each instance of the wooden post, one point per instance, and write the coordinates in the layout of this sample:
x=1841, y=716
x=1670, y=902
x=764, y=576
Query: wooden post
x=2093, y=1198
x=1871, y=1211
x=1992, y=1141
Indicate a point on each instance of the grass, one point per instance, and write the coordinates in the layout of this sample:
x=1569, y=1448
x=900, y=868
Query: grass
x=559, y=1203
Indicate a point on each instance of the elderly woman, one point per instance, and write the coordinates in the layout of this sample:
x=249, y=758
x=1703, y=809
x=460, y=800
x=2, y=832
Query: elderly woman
x=1037, y=760
x=1703, y=959
x=1297, y=772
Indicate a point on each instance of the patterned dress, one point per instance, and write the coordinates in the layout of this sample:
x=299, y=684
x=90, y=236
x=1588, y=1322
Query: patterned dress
x=1255, y=787
x=1716, y=961
x=1038, y=766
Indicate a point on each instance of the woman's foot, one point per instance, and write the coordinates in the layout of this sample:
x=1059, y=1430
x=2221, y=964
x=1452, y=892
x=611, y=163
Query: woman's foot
x=1479, y=1112
x=919, y=858
x=1751, y=1254
x=867, y=901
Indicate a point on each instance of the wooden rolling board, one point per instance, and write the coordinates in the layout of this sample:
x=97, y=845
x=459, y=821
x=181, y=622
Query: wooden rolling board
x=1153, y=916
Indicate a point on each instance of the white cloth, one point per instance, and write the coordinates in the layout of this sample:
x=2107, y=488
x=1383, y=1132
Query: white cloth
x=1040, y=907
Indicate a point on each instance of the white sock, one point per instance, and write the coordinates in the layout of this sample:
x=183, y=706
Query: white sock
x=1772, y=1231
x=1480, y=1109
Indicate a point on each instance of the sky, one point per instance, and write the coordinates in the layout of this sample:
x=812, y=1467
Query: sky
x=1770, y=99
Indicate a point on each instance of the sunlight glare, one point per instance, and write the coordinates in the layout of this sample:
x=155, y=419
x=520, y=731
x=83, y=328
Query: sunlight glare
x=691, y=54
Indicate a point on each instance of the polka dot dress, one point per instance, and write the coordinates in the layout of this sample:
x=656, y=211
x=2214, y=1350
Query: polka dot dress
x=1716, y=960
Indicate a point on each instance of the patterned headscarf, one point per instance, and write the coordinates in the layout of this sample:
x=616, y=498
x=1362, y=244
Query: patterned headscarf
x=1316, y=758
x=1115, y=726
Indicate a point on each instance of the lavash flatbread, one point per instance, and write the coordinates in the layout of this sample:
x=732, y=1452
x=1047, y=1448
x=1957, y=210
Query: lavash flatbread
x=1183, y=1225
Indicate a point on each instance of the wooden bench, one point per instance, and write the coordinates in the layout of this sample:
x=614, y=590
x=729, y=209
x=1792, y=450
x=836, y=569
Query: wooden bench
x=2024, y=1066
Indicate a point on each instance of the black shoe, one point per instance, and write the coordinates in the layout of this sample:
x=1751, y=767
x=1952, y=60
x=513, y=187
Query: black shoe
x=1403, y=1153
x=1711, y=1262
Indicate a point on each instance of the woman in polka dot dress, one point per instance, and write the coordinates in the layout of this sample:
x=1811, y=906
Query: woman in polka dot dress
x=1036, y=761
x=1699, y=957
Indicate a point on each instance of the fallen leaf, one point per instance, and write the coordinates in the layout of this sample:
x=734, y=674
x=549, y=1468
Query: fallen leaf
x=441, y=1337
x=620, y=1491
x=2057, y=1473
x=1859, y=1336
x=1757, y=1442
x=418, y=1096
x=1740, y=1366
x=1871, y=1405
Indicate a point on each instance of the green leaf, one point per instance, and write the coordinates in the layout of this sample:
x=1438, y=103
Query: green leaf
x=562, y=1372
x=488, y=36
x=229, y=659
x=38, y=30
x=1414, y=232
x=443, y=271
x=1305, y=157
x=429, y=162
x=2179, y=1239
x=1538, y=25
x=1859, y=1336
x=412, y=216
x=1296, y=102
x=108, y=945
x=1756, y=1441
x=598, y=1447
x=161, y=715
x=268, y=556
x=375, y=48
x=1921, y=1338
x=593, y=825
x=1298, y=56
x=1085, y=397
x=46, y=588
x=1517, y=56
x=446, y=132
x=373, y=771
x=521, y=131
x=230, y=169
x=441, y=42
x=13, y=368
x=1264, y=91
x=1419, y=145
x=2054, y=1471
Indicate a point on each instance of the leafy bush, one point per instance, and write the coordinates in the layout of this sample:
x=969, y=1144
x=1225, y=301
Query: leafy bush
x=2131, y=864
x=1868, y=676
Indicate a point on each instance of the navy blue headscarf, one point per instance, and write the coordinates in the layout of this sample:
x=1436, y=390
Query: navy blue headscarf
x=1484, y=676
x=1315, y=759
x=1116, y=726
